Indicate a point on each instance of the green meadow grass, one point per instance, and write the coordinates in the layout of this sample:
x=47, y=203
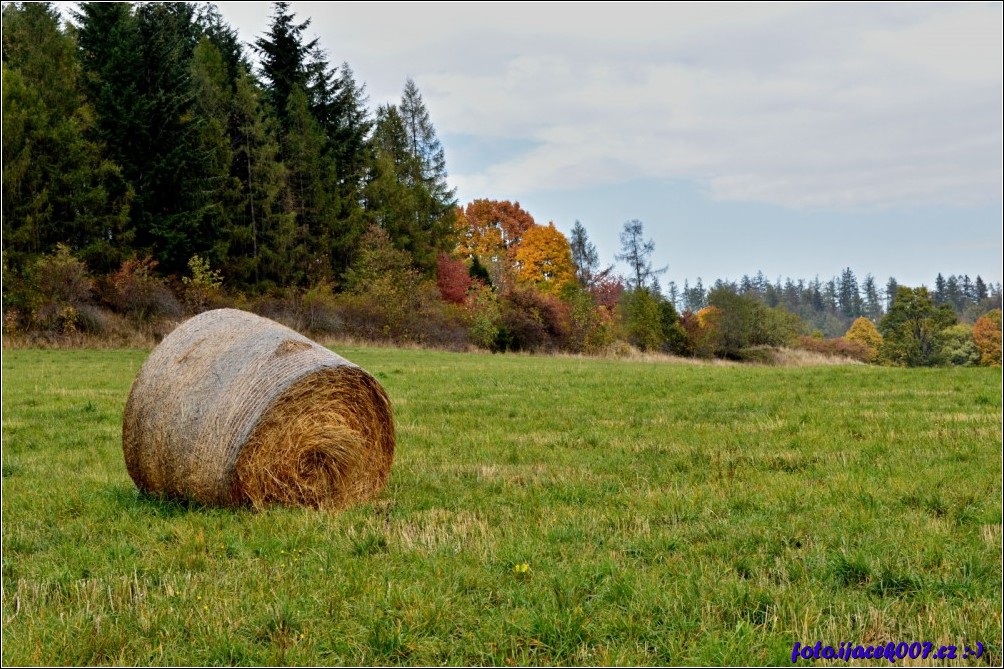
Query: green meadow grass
x=667, y=514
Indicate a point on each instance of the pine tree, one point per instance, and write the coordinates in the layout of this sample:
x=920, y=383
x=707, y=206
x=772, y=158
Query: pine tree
x=585, y=257
x=980, y=288
x=213, y=190
x=261, y=233
x=311, y=182
x=349, y=134
x=434, y=199
x=339, y=105
x=968, y=291
x=872, y=302
x=283, y=55
x=225, y=38
x=635, y=251
x=169, y=35
x=830, y=296
x=848, y=295
x=954, y=296
x=57, y=188
x=673, y=294
x=110, y=52
x=891, y=288
x=137, y=67
x=939, y=289
x=389, y=198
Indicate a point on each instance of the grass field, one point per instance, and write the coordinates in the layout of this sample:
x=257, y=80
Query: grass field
x=666, y=514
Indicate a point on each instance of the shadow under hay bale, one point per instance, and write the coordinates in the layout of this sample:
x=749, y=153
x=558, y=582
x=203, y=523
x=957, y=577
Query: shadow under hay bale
x=233, y=409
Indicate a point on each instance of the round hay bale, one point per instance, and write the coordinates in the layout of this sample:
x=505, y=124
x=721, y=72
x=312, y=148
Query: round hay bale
x=233, y=409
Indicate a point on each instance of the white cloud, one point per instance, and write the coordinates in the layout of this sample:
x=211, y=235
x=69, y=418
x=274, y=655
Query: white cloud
x=904, y=113
x=856, y=105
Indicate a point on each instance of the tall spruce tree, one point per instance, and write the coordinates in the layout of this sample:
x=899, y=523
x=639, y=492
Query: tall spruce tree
x=312, y=186
x=872, y=301
x=849, y=294
x=213, y=190
x=939, y=289
x=585, y=258
x=225, y=38
x=57, y=187
x=261, y=231
x=891, y=288
x=283, y=54
x=433, y=199
x=338, y=105
x=390, y=197
x=137, y=66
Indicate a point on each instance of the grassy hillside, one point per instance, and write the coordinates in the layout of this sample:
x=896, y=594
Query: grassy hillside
x=665, y=514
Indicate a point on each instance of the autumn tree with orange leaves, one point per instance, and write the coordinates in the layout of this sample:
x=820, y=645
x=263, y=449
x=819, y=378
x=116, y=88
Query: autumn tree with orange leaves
x=544, y=259
x=490, y=230
x=987, y=334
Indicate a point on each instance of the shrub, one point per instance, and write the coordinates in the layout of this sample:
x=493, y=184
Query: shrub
x=761, y=355
x=319, y=310
x=607, y=291
x=836, y=347
x=958, y=348
x=134, y=290
x=703, y=331
x=641, y=317
x=531, y=321
x=203, y=286
x=436, y=323
x=282, y=306
x=378, y=313
x=386, y=298
x=53, y=292
x=863, y=331
x=590, y=327
x=673, y=334
x=383, y=290
x=746, y=322
x=485, y=317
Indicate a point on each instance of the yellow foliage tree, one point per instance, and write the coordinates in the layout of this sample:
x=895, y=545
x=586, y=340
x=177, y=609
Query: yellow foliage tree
x=704, y=331
x=864, y=332
x=544, y=259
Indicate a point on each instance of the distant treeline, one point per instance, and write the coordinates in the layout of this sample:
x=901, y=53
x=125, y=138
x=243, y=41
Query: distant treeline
x=831, y=306
x=151, y=171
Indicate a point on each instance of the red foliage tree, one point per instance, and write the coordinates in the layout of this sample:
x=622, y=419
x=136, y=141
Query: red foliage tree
x=607, y=291
x=452, y=278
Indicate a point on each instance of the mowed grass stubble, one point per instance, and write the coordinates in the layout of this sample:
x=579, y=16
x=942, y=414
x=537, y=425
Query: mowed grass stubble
x=540, y=510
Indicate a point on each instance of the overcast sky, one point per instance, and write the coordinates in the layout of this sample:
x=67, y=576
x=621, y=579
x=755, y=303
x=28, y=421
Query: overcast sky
x=793, y=139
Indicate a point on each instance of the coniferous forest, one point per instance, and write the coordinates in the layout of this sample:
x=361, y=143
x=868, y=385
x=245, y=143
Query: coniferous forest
x=155, y=166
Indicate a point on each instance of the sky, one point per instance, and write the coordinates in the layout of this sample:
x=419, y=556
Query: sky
x=796, y=139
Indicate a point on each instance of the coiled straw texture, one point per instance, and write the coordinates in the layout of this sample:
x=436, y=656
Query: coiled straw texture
x=233, y=409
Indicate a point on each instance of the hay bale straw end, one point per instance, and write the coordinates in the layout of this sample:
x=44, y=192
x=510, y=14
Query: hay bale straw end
x=233, y=409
